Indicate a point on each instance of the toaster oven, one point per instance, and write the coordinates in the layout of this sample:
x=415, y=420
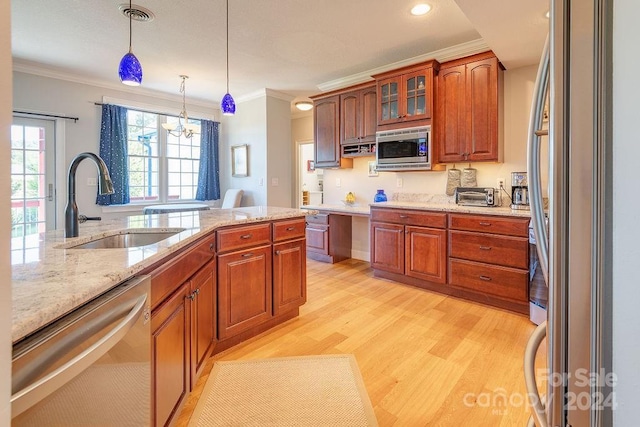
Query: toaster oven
x=477, y=196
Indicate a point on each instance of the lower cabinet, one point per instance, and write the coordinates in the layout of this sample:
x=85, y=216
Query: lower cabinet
x=387, y=247
x=203, y=316
x=329, y=237
x=170, y=355
x=244, y=290
x=289, y=276
x=426, y=254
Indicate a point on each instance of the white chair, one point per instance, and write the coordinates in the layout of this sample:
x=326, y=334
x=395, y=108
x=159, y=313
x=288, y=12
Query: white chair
x=232, y=198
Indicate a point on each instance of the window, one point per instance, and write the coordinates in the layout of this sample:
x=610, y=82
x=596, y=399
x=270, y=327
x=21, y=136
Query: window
x=162, y=167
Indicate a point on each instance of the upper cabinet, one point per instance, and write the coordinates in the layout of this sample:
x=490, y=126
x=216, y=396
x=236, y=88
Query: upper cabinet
x=467, y=117
x=326, y=119
x=358, y=119
x=405, y=96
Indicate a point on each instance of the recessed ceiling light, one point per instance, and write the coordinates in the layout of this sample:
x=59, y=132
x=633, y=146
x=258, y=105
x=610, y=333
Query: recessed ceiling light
x=420, y=9
x=304, y=105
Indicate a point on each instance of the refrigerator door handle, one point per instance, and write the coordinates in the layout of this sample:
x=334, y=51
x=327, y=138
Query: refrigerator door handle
x=533, y=161
x=537, y=406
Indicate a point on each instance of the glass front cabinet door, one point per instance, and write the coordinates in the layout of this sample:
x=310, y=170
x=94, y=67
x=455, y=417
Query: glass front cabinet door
x=405, y=95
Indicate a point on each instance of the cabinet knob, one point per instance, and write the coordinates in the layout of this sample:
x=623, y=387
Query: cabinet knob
x=246, y=236
x=211, y=247
x=191, y=296
x=278, y=252
x=485, y=278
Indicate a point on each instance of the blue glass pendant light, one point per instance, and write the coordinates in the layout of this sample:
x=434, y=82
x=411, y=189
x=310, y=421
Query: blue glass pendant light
x=130, y=69
x=228, y=105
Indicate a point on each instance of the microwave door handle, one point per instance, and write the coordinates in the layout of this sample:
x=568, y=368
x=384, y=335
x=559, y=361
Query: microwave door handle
x=33, y=393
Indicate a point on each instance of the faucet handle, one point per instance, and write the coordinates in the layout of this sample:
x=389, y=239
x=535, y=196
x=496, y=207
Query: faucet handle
x=84, y=218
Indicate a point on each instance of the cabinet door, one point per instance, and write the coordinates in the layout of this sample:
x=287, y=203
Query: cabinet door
x=350, y=118
x=327, y=129
x=203, y=316
x=170, y=355
x=426, y=254
x=318, y=238
x=452, y=114
x=244, y=290
x=417, y=95
x=289, y=276
x=389, y=100
x=482, y=109
x=368, y=114
x=387, y=247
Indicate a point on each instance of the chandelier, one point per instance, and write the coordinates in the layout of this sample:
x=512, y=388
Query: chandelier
x=183, y=127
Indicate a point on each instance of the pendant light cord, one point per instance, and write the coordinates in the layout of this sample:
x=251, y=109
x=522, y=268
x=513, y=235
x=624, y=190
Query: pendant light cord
x=227, y=46
x=130, y=27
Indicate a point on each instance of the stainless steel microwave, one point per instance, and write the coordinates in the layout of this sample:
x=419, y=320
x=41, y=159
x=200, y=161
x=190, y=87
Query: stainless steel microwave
x=404, y=149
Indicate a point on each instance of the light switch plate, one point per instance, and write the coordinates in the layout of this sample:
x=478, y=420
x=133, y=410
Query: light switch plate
x=398, y=182
x=338, y=182
x=275, y=182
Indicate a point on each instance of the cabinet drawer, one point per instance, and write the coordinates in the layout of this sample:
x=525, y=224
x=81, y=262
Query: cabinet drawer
x=318, y=219
x=166, y=279
x=243, y=237
x=502, y=250
x=490, y=224
x=285, y=230
x=411, y=217
x=503, y=282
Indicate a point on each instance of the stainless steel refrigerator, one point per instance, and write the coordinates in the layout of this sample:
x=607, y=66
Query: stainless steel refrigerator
x=577, y=259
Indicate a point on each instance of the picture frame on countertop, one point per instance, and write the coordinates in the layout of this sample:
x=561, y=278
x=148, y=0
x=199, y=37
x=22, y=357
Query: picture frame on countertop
x=240, y=161
x=372, y=168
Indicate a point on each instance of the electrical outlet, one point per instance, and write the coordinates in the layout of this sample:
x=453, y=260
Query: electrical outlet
x=275, y=182
x=398, y=182
x=338, y=182
x=501, y=183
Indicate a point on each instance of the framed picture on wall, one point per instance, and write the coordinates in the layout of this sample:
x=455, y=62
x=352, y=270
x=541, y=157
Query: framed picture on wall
x=239, y=160
x=311, y=166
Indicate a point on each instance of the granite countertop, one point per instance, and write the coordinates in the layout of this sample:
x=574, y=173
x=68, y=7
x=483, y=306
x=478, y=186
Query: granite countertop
x=49, y=279
x=430, y=202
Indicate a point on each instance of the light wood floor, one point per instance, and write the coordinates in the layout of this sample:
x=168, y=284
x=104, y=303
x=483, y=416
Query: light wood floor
x=426, y=359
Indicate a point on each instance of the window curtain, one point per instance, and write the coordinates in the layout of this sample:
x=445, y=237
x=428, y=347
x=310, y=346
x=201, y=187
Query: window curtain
x=113, y=150
x=209, y=172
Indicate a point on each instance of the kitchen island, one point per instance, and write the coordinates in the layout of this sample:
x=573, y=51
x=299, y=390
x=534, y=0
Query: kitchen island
x=50, y=279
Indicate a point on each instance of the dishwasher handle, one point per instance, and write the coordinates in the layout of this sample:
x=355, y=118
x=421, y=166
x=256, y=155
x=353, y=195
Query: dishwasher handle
x=35, y=392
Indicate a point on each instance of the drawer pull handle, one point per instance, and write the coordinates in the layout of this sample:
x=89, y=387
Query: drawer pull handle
x=485, y=278
x=404, y=216
x=485, y=248
x=246, y=236
x=290, y=228
x=250, y=254
x=211, y=247
x=485, y=224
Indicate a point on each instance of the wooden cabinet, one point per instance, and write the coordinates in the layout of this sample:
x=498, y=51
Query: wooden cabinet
x=328, y=237
x=489, y=257
x=326, y=117
x=244, y=290
x=182, y=326
x=406, y=95
x=410, y=243
x=203, y=316
x=468, y=109
x=289, y=266
x=170, y=356
x=358, y=121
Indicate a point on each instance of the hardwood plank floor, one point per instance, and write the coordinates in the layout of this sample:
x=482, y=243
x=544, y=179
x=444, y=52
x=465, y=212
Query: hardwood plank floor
x=426, y=359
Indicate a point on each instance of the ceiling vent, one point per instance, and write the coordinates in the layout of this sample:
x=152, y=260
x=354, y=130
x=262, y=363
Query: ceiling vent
x=137, y=13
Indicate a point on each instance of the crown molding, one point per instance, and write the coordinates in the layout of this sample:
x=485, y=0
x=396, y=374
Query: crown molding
x=28, y=67
x=261, y=93
x=454, y=52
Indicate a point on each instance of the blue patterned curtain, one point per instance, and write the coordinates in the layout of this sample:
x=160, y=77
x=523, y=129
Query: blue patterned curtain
x=113, y=150
x=209, y=173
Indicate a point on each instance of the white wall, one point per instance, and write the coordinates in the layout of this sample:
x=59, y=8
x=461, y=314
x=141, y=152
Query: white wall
x=5, y=197
x=626, y=249
x=55, y=96
x=247, y=126
x=518, y=89
x=280, y=155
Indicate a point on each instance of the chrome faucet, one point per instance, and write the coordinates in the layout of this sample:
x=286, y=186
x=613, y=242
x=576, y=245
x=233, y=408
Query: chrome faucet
x=105, y=186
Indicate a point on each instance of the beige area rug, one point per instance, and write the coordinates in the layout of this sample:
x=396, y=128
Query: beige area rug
x=322, y=390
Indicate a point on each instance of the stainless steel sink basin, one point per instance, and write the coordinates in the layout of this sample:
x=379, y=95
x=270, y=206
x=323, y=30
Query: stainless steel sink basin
x=128, y=239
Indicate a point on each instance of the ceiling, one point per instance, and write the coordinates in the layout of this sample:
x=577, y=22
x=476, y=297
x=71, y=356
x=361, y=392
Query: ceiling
x=291, y=46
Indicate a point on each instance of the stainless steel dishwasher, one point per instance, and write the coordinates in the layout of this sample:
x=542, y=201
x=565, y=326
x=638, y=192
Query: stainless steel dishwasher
x=91, y=367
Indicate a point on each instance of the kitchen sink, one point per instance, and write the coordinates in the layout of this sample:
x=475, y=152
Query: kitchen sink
x=129, y=239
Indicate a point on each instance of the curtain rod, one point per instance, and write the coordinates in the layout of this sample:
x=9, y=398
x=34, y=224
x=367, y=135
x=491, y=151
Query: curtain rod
x=149, y=111
x=75, y=119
